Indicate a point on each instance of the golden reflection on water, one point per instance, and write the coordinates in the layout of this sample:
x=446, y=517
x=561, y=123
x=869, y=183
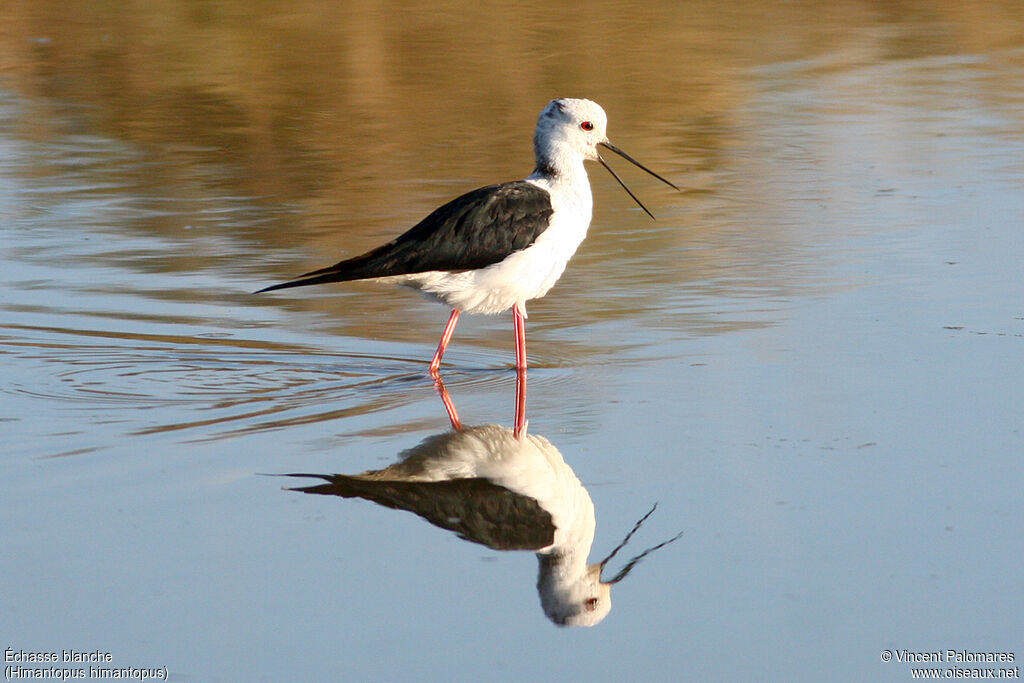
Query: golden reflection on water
x=318, y=102
x=338, y=125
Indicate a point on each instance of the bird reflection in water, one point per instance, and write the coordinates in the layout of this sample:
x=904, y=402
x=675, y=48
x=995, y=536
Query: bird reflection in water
x=507, y=490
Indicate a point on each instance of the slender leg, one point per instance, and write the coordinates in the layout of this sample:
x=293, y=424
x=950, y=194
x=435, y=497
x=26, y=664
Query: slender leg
x=446, y=337
x=519, y=320
x=449, y=405
x=520, y=426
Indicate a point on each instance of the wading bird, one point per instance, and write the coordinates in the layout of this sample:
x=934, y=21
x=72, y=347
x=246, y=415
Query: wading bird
x=499, y=246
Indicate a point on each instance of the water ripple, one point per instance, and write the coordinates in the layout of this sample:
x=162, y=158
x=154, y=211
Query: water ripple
x=213, y=382
x=208, y=387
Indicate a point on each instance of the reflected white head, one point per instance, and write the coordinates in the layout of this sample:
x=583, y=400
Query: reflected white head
x=573, y=599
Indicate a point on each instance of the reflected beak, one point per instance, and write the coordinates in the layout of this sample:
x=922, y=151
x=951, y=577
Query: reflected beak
x=632, y=563
x=636, y=163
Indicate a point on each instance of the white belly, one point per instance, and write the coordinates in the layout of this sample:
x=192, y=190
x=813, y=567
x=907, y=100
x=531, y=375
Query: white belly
x=525, y=275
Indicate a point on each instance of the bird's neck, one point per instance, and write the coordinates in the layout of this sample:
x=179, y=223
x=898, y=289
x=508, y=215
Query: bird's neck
x=556, y=160
x=561, y=170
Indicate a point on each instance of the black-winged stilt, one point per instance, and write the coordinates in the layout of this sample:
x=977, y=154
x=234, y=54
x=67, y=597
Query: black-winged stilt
x=499, y=246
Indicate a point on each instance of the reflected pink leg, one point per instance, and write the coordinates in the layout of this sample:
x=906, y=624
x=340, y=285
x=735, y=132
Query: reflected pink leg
x=449, y=406
x=519, y=320
x=520, y=425
x=446, y=337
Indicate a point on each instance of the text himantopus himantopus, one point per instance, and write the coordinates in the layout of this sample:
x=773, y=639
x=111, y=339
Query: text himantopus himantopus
x=499, y=246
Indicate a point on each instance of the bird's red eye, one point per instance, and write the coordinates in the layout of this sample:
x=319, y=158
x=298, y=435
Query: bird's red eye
x=587, y=126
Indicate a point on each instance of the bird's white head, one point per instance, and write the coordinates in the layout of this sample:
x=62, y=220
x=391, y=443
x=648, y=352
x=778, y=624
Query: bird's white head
x=568, y=129
x=569, y=132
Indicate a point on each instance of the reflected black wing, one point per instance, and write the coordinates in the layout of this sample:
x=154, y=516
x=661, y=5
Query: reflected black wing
x=475, y=509
x=475, y=230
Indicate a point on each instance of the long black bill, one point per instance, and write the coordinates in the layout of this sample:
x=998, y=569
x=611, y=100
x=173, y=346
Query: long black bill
x=632, y=563
x=638, y=165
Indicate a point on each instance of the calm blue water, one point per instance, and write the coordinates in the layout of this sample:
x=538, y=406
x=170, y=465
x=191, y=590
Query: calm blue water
x=811, y=361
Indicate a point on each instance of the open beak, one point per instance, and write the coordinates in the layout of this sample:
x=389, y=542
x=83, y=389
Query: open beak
x=635, y=163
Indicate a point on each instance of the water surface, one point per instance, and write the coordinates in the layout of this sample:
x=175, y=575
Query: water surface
x=811, y=361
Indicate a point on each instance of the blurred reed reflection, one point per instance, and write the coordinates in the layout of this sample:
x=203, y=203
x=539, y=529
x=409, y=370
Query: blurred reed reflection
x=252, y=136
x=505, y=489
x=332, y=106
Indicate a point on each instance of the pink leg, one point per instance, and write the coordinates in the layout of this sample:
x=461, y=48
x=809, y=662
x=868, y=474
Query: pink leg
x=519, y=320
x=520, y=427
x=446, y=337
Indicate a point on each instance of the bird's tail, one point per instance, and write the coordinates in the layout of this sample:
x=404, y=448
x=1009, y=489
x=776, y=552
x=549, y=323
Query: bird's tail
x=344, y=271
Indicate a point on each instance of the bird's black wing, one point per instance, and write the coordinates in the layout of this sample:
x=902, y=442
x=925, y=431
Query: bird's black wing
x=475, y=230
